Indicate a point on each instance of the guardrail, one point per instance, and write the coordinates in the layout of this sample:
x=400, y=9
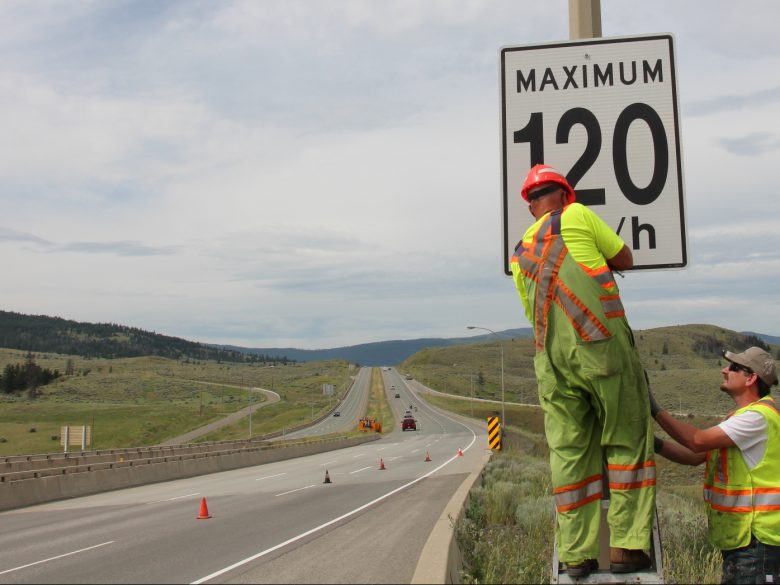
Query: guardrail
x=29, y=487
x=14, y=468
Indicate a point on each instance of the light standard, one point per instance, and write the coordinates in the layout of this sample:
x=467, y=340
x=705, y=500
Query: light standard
x=503, y=408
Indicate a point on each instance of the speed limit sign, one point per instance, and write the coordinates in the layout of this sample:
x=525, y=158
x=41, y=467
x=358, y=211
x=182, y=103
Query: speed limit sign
x=604, y=112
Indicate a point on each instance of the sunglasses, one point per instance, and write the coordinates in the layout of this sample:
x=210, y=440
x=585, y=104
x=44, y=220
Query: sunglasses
x=737, y=368
x=543, y=191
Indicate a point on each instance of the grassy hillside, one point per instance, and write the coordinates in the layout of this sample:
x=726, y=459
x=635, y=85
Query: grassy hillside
x=143, y=401
x=683, y=363
x=40, y=333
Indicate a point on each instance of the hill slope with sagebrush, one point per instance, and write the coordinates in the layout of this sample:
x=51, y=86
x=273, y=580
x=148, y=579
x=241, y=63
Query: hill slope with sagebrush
x=682, y=361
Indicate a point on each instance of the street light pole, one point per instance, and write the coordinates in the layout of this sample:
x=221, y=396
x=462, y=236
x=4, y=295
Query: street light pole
x=503, y=403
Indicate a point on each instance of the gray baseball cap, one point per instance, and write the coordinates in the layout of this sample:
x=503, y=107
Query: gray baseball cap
x=757, y=360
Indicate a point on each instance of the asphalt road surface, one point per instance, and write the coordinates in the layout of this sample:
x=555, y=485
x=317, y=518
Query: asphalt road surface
x=271, y=523
x=350, y=410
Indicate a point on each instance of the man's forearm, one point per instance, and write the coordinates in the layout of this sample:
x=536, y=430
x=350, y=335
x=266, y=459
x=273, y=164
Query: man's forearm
x=680, y=431
x=679, y=454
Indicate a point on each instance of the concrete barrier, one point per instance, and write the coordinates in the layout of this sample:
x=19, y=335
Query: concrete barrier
x=71, y=482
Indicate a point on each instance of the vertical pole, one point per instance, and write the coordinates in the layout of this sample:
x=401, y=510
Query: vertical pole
x=584, y=19
x=84, y=438
x=503, y=408
x=67, y=437
x=472, y=395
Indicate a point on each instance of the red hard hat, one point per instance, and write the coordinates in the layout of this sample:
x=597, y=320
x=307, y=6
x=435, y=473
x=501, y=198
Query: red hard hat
x=541, y=174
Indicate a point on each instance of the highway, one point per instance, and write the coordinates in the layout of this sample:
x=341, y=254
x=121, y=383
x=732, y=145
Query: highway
x=351, y=409
x=272, y=523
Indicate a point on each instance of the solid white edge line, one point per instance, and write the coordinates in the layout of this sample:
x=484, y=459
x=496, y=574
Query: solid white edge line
x=335, y=520
x=55, y=558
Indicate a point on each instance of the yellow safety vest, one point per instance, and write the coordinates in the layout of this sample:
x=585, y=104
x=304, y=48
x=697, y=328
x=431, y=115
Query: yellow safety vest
x=742, y=501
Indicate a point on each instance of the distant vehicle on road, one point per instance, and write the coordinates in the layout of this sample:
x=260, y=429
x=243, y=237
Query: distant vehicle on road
x=409, y=423
x=408, y=376
x=397, y=395
x=337, y=413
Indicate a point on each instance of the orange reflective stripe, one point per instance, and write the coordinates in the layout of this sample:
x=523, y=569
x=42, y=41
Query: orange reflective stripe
x=723, y=466
x=602, y=275
x=588, y=500
x=613, y=306
x=626, y=477
x=572, y=496
x=726, y=500
x=544, y=288
x=586, y=319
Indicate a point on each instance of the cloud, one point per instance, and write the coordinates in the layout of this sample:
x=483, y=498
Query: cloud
x=118, y=248
x=754, y=144
x=730, y=103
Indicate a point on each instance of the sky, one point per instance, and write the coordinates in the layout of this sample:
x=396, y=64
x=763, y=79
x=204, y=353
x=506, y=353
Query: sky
x=316, y=174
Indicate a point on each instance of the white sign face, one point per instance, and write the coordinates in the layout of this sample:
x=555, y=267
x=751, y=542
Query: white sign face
x=604, y=113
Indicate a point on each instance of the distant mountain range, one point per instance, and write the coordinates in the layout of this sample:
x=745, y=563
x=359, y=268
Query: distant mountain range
x=40, y=333
x=379, y=353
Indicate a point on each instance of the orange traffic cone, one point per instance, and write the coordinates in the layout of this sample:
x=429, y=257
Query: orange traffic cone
x=204, y=510
x=381, y=464
x=327, y=477
x=427, y=456
x=460, y=453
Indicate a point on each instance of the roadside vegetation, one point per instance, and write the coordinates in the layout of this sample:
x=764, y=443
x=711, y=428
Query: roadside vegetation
x=378, y=407
x=133, y=402
x=505, y=532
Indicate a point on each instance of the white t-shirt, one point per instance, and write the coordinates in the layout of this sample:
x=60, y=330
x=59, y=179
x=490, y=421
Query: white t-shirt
x=748, y=430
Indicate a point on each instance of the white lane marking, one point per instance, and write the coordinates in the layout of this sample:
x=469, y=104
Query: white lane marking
x=335, y=520
x=359, y=470
x=270, y=476
x=172, y=499
x=394, y=458
x=381, y=448
x=298, y=490
x=428, y=445
x=360, y=455
x=55, y=558
x=415, y=450
x=329, y=462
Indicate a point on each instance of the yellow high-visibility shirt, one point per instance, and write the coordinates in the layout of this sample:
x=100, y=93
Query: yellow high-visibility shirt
x=590, y=241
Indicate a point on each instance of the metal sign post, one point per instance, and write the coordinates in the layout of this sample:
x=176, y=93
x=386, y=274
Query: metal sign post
x=604, y=112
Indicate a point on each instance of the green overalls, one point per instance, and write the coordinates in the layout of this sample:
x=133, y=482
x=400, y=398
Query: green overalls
x=594, y=395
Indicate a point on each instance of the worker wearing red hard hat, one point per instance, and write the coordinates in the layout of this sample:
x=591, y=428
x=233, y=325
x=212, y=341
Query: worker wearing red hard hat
x=591, y=383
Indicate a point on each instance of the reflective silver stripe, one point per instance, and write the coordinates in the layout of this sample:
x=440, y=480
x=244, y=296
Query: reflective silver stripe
x=543, y=287
x=612, y=305
x=604, y=278
x=575, y=496
x=727, y=501
x=539, y=247
x=631, y=475
x=767, y=499
x=719, y=468
x=578, y=316
x=528, y=265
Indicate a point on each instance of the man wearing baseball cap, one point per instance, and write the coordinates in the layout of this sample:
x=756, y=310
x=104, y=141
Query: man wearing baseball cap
x=742, y=477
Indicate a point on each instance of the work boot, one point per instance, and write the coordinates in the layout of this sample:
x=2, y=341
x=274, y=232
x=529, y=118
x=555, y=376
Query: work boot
x=581, y=570
x=625, y=560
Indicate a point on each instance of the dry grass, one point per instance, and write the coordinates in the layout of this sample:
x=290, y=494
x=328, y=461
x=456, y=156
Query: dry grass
x=144, y=401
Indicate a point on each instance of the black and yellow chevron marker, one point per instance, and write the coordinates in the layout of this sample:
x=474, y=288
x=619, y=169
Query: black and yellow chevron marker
x=494, y=432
